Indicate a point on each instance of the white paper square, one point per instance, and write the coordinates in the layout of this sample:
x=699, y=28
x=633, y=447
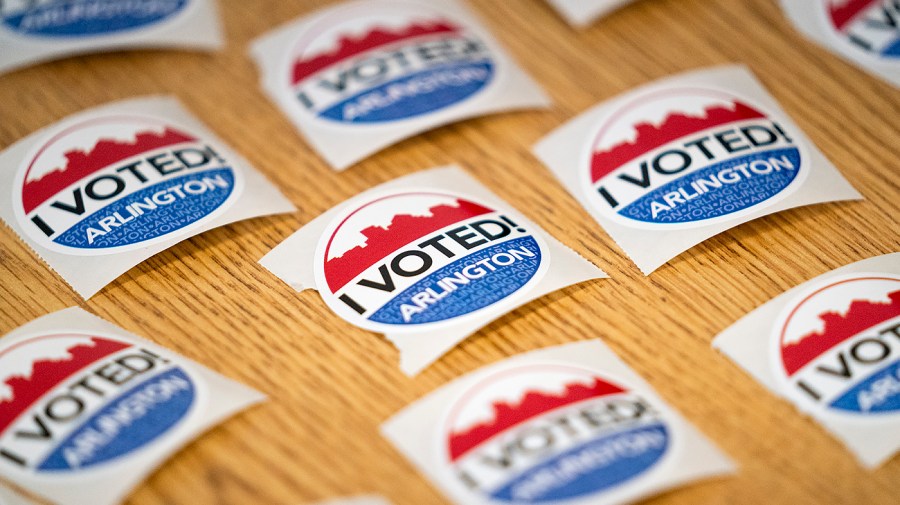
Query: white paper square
x=360, y=76
x=114, y=406
x=831, y=338
x=636, y=162
x=568, y=424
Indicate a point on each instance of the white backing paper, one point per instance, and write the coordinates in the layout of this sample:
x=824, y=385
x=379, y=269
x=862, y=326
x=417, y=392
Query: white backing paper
x=636, y=122
x=89, y=269
x=583, y=12
x=411, y=93
x=294, y=262
x=553, y=381
x=10, y=497
x=865, y=33
x=60, y=28
x=752, y=342
x=105, y=478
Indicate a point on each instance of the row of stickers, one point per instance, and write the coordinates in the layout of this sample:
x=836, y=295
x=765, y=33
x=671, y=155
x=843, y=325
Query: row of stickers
x=865, y=32
x=87, y=410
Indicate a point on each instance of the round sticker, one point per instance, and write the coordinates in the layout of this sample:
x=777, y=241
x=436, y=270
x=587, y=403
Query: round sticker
x=867, y=28
x=405, y=260
x=548, y=433
x=837, y=345
x=688, y=157
x=396, y=61
x=117, y=183
x=76, y=401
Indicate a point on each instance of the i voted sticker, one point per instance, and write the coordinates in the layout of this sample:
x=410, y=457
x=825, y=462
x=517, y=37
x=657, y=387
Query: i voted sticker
x=545, y=421
x=80, y=18
x=100, y=191
x=426, y=260
x=387, y=64
x=688, y=157
x=87, y=410
x=838, y=345
x=833, y=349
x=866, y=32
x=32, y=31
x=675, y=162
x=414, y=259
x=113, y=183
x=360, y=76
x=569, y=424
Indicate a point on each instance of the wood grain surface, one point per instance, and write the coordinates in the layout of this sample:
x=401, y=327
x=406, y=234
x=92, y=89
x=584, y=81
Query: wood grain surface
x=331, y=384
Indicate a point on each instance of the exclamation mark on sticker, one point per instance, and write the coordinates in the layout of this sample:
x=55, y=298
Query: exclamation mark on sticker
x=514, y=225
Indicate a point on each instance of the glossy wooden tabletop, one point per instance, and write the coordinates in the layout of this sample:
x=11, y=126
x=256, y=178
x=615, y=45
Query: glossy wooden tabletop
x=331, y=384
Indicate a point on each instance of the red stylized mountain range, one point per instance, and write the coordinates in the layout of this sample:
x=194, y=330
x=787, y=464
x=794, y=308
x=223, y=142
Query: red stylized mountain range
x=673, y=127
x=376, y=37
x=47, y=374
x=842, y=15
x=80, y=163
x=860, y=316
x=532, y=404
x=403, y=229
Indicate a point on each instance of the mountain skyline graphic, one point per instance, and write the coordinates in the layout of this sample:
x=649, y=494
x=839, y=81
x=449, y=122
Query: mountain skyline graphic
x=403, y=229
x=843, y=13
x=860, y=316
x=531, y=405
x=673, y=127
x=80, y=163
x=349, y=46
x=47, y=374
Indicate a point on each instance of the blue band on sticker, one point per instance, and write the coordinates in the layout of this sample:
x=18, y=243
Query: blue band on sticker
x=719, y=189
x=152, y=212
x=79, y=18
x=878, y=394
x=589, y=468
x=131, y=421
x=413, y=95
x=489, y=276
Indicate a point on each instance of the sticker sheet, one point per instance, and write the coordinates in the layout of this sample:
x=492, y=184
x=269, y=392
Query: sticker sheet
x=427, y=260
x=675, y=162
x=32, y=31
x=360, y=76
x=568, y=424
x=831, y=346
x=105, y=189
x=88, y=410
x=584, y=12
x=865, y=32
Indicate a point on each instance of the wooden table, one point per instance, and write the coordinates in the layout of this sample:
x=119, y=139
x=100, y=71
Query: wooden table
x=331, y=384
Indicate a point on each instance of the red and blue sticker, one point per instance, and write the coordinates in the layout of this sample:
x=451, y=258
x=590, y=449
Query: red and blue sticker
x=838, y=346
x=687, y=157
x=548, y=433
x=75, y=401
x=119, y=182
x=396, y=62
x=85, y=18
x=418, y=258
x=872, y=26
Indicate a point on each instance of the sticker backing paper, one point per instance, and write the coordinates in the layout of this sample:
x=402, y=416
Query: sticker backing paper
x=105, y=189
x=427, y=260
x=10, y=497
x=583, y=12
x=675, y=162
x=33, y=31
x=360, y=76
x=569, y=424
x=88, y=410
x=865, y=32
x=831, y=346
